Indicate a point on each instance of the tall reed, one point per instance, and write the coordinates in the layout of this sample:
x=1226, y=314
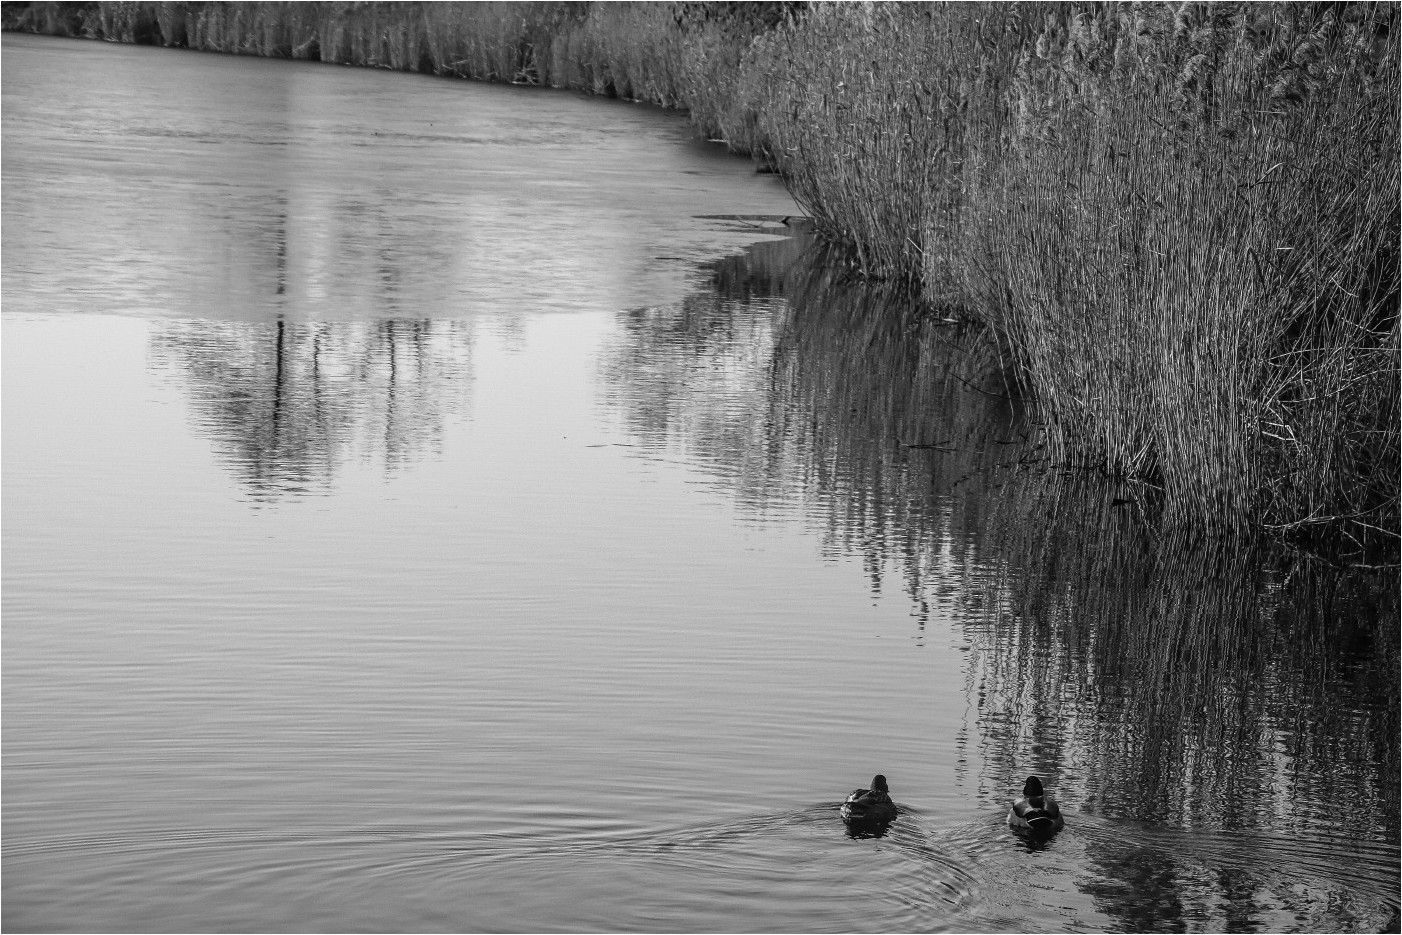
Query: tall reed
x=1182, y=220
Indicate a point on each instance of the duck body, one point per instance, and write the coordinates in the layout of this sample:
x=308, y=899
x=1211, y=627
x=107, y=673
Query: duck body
x=869, y=807
x=862, y=806
x=1035, y=811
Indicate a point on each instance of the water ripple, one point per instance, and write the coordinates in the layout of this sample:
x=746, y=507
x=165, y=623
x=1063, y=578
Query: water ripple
x=785, y=871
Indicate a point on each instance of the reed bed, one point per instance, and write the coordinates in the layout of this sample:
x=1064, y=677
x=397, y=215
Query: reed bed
x=1181, y=220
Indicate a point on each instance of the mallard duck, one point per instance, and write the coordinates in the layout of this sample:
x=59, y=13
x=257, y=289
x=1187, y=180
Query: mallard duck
x=870, y=806
x=1035, y=811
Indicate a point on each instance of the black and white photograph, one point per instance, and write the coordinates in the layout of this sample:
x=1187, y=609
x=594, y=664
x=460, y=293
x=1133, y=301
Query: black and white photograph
x=700, y=467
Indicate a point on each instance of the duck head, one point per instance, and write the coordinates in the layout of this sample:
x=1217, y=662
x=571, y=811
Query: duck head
x=878, y=783
x=1032, y=789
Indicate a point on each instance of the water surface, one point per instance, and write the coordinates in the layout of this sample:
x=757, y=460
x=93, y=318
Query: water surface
x=435, y=506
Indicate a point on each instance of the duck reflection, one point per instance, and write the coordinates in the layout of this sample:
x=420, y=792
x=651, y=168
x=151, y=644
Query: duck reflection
x=861, y=829
x=289, y=403
x=1155, y=677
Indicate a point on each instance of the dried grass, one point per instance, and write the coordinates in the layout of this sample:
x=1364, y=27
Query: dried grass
x=1182, y=220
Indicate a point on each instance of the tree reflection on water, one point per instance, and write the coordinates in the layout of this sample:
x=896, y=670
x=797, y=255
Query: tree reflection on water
x=1154, y=677
x=290, y=402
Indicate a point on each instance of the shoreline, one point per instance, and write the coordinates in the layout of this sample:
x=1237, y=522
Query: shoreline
x=1182, y=225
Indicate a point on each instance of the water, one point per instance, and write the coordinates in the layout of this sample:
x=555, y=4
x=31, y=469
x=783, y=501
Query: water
x=432, y=506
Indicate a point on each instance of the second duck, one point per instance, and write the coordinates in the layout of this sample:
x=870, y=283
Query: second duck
x=1035, y=811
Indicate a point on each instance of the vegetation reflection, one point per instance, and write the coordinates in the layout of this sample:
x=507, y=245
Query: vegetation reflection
x=1219, y=685
x=288, y=403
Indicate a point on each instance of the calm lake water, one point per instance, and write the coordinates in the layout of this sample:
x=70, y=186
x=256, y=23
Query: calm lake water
x=443, y=507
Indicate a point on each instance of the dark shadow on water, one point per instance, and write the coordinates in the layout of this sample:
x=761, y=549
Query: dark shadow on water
x=866, y=829
x=1034, y=841
x=1140, y=889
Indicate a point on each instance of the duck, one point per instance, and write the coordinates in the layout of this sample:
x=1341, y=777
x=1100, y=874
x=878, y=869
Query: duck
x=1035, y=811
x=870, y=806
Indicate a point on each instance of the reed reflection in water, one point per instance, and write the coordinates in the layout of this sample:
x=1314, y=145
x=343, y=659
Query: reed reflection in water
x=1230, y=708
